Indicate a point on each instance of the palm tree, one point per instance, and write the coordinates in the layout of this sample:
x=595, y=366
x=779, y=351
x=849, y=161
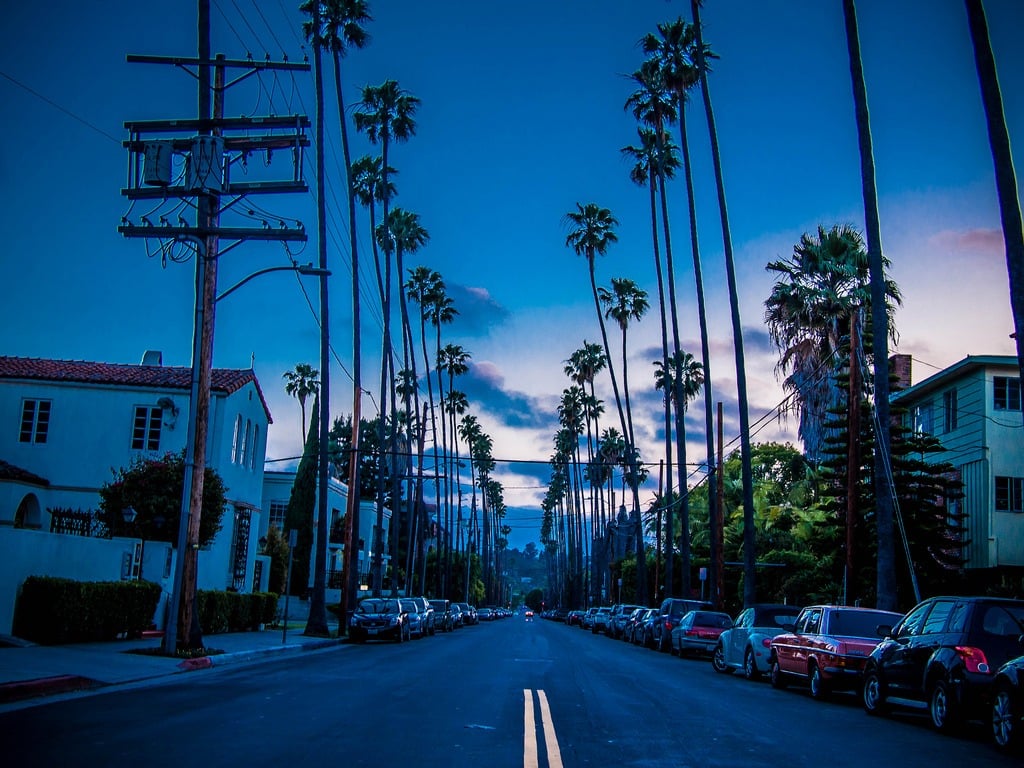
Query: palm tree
x=674, y=49
x=1002, y=158
x=884, y=501
x=594, y=231
x=451, y=359
x=340, y=28
x=656, y=161
x=625, y=301
x=749, y=552
x=300, y=383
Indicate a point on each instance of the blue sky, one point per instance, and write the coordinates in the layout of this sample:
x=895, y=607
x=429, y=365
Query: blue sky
x=521, y=117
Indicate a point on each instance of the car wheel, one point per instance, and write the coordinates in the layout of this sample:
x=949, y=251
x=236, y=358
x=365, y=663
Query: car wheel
x=819, y=685
x=942, y=707
x=1006, y=720
x=778, y=677
x=750, y=670
x=872, y=693
x=718, y=660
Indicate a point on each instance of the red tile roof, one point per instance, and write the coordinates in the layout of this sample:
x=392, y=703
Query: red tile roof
x=224, y=380
x=11, y=472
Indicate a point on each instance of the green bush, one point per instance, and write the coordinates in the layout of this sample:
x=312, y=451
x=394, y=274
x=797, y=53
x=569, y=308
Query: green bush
x=222, y=611
x=51, y=610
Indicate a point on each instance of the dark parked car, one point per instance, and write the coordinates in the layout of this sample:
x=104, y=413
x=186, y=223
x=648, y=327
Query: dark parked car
x=632, y=625
x=670, y=614
x=468, y=614
x=620, y=615
x=1008, y=706
x=377, y=618
x=943, y=657
x=444, y=620
x=828, y=647
x=643, y=634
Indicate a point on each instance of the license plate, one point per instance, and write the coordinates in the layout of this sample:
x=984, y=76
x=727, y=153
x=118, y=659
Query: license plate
x=371, y=631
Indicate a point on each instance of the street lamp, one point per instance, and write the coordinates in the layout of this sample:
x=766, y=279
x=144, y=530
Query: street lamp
x=302, y=269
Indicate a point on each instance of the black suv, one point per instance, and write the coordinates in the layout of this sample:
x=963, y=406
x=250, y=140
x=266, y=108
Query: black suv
x=943, y=656
x=672, y=610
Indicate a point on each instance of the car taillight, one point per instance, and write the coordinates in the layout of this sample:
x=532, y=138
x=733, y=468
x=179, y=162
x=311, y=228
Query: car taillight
x=767, y=642
x=668, y=625
x=974, y=659
x=693, y=633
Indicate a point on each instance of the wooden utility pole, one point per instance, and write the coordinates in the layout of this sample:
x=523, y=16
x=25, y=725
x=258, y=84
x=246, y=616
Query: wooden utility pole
x=206, y=179
x=852, y=450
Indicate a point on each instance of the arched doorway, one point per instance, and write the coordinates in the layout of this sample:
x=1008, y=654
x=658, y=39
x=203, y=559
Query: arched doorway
x=28, y=514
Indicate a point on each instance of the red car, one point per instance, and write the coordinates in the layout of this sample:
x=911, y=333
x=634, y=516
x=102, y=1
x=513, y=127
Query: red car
x=828, y=647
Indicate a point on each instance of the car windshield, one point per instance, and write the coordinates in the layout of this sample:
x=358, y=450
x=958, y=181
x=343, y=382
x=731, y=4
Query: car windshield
x=859, y=623
x=375, y=605
x=777, y=618
x=409, y=605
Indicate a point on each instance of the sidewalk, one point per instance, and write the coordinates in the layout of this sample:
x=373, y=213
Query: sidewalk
x=38, y=670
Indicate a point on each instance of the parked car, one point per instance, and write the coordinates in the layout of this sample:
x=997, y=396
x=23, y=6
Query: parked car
x=698, y=632
x=377, y=618
x=644, y=632
x=427, y=610
x=602, y=620
x=1008, y=706
x=633, y=624
x=943, y=657
x=747, y=644
x=468, y=614
x=574, y=618
x=588, y=618
x=458, y=620
x=485, y=614
x=620, y=615
x=828, y=647
x=670, y=614
x=443, y=617
x=417, y=621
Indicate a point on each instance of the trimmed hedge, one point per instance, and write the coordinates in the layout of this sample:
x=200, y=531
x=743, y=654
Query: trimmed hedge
x=221, y=611
x=51, y=611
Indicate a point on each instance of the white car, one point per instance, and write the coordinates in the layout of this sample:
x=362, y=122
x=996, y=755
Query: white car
x=747, y=645
x=602, y=620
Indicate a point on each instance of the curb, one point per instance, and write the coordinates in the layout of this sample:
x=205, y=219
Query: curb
x=45, y=686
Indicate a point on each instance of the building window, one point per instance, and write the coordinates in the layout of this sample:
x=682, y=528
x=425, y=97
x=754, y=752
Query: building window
x=1007, y=393
x=243, y=458
x=1010, y=494
x=146, y=430
x=35, y=421
x=949, y=408
x=923, y=419
x=255, y=443
x=278, y=510
x=236, y=444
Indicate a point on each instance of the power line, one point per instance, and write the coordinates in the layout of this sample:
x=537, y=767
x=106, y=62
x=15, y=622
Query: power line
x=65, y=110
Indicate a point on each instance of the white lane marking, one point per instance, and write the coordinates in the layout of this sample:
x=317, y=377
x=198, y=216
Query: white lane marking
x=529, y=731
x=554, y=753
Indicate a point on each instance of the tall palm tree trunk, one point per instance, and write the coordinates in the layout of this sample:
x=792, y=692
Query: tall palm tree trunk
x=884, y=501
x=713, y=523
x=1002, y=158
x=749, y=544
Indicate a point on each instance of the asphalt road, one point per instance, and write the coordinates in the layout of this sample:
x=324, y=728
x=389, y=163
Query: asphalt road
x=510, y=693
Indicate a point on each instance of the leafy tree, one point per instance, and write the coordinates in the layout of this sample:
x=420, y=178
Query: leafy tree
x=276, y=549
x=301, y=504
x=153, y=488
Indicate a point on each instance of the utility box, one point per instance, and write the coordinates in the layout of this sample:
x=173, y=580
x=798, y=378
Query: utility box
x=157, y=166
x=204, y=173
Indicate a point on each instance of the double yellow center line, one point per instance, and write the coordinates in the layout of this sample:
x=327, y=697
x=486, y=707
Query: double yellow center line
x=530, y=731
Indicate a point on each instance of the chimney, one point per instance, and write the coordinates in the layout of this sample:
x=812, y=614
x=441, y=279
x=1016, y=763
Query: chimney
x=899, y=371
x=152, y=357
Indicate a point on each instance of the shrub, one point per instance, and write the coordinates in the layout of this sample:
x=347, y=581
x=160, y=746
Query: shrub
x=51, y=610
x=222, y=611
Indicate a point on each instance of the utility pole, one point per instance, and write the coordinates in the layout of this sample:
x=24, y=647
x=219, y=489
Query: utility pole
x=718, y=533
x=852, y=450
x=210, y=146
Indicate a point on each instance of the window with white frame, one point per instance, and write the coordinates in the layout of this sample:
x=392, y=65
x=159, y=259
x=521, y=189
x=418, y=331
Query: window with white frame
x=243, y=458
x=923, y=418
x=255, y=443
x=949, y=410
x=35, y=421
x=146, y=428
x=1009, y=494
x=1006, y=393
x=278, y=510
x=236, y=445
